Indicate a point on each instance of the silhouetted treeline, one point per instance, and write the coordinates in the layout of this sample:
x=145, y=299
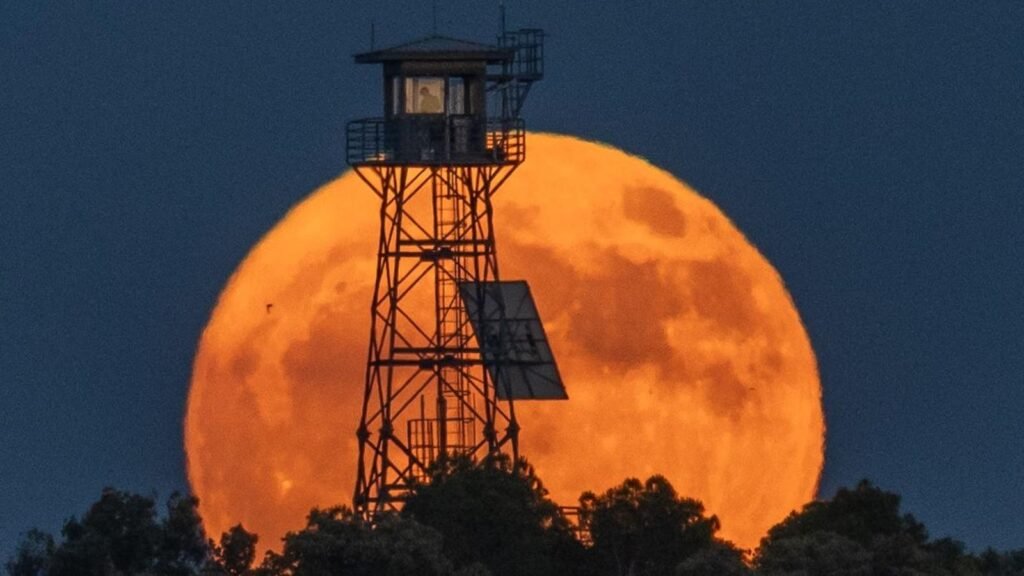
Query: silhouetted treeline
x=490, y=519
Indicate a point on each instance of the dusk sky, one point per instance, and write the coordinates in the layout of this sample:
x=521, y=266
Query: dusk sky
x=873, y=152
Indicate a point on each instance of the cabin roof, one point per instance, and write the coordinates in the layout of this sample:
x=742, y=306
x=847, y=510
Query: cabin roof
x=434, y=48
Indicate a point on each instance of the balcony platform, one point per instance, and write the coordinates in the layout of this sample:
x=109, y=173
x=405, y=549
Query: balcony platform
x=440, y=141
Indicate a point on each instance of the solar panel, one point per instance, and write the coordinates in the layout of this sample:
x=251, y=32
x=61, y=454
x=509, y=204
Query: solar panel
x=512, y=342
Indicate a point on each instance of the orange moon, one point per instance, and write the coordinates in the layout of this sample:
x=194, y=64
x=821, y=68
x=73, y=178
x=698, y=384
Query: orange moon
x=682, y=352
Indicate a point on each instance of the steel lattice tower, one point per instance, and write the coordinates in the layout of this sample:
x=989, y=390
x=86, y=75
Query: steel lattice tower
x=435, y=160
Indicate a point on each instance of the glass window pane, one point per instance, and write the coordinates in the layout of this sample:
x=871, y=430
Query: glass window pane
x=396, y=86
x=456, y=96
x=424, y=95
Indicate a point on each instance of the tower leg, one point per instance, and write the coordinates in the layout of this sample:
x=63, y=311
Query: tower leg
x=436, y=234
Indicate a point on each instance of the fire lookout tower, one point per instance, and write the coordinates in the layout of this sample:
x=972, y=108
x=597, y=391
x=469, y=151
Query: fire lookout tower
x=451, y=346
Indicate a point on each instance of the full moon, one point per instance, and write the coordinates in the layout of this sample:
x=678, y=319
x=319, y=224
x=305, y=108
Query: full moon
x=681, y=350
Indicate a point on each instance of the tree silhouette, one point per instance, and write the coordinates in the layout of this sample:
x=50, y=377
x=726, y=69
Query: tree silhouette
x=336, y=541
x=120, y=534
x=719, y=559
x=493, y=519
x=813, y=554
x=236, y=552
x=859, y=532
x=182, y=548
x=645, y=528
x=861, y=514
x=497, y=515
x=993, y=563
x=33, y=554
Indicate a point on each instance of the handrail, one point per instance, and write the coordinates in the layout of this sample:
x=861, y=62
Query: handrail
x=429, y=141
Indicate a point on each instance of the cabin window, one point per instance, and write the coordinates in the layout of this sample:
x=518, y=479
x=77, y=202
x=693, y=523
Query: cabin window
x=424, y=95
x=456, y=96
x=396, y=93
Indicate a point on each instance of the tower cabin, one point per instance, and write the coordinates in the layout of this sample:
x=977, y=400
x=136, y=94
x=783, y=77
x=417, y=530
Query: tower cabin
x=437, y=92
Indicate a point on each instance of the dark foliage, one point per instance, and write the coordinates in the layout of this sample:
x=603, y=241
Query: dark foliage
x=646, y=528
x=336, y=541
x=497, y=515
x=120, y=534
x=235, y=553
x=182, y=543
x=993, y=563
x=719, y=559
x=33, y=555
x=819, y=552
x=861, y=514
x=860, y=532
x=493, y=519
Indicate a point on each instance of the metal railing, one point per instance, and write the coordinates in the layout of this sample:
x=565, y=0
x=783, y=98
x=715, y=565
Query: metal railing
x=527, y=45
x=429, y=141
x=369, y=141
x=506, y=140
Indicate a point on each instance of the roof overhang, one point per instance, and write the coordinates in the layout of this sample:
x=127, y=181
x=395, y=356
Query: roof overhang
x=438, y=48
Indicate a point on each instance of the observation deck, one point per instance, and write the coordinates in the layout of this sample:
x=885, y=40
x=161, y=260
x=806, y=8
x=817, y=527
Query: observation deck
x=450, y=102
x=435, y=141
